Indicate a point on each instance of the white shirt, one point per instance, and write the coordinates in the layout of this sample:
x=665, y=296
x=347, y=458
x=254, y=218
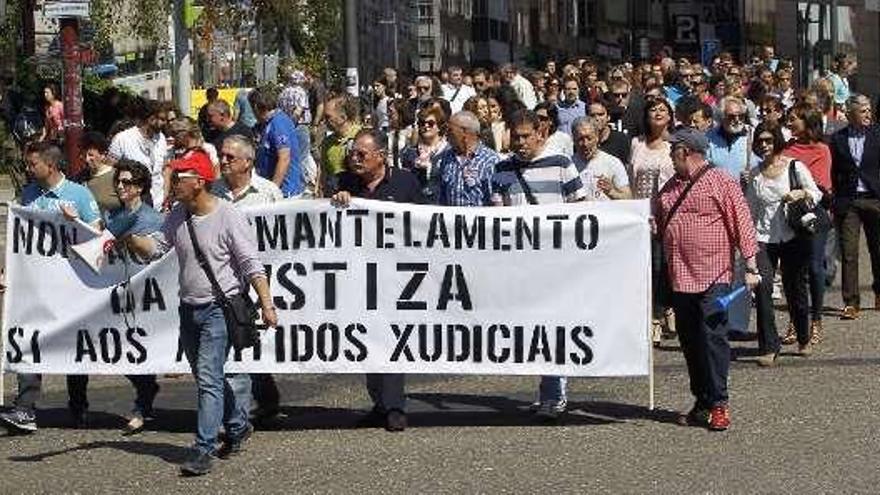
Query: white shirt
x=260, y=191
x=525, y=91
x=602, y=165
x=457, y=103
x=131, y=144
x=768, y=208
x=559, y=143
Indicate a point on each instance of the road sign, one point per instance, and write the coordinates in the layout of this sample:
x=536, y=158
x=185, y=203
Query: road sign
x=709, y=50
x=67, y=8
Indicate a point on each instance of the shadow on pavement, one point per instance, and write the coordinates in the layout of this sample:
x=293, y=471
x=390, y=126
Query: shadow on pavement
x=167, y=420
x=173, y=454
x=459, y=410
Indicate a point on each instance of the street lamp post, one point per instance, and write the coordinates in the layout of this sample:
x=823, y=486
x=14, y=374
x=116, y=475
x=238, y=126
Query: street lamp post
x=393, y=23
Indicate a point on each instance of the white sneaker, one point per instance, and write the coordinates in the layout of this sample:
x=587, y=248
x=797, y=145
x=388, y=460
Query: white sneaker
x=551, y=409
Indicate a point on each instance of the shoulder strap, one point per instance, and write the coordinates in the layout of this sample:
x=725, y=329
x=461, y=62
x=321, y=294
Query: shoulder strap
x=793, y=181
x=527, y=189
x=203, y=261
x=682, y=196
x=455, y=95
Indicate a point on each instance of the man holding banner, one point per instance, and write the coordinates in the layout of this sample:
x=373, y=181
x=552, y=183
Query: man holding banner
x=367, y=176
x=228, y=243
x=51, y=191
x=702, y=218
x=535, y=175
x=242, y=187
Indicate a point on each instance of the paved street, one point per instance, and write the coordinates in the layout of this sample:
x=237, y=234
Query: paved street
x=807, y=426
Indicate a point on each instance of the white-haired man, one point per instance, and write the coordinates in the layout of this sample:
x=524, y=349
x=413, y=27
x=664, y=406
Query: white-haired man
x=463, y=173
x=603, y=175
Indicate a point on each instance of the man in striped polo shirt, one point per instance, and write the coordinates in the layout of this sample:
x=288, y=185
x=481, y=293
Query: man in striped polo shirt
x=534, y=175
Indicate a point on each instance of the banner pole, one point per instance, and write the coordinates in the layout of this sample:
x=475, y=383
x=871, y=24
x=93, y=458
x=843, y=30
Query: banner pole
x=650, y=341
x=5, y=312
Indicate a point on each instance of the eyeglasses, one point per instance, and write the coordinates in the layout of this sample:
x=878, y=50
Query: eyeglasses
x=126, y=182
x=427, y=123
x=359, y=154
x=423, y=88
x=620, y=95
x=227, y=156
x=734, y=116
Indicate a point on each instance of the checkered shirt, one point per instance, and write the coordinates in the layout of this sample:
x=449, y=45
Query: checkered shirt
x=712, y=221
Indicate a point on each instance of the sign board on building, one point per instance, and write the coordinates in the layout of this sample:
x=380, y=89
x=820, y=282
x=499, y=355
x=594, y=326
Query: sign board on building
x=66, y=8
x=687, y=29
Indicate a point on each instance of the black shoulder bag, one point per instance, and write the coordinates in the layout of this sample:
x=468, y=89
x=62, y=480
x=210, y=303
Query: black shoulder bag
x=527, y=189
x=804, y=217
x=239, y=310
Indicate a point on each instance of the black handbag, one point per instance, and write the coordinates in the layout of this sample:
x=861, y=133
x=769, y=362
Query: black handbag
x=239, y=310
x=803, y=216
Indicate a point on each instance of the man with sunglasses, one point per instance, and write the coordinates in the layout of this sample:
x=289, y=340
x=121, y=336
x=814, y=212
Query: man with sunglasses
x=367, y=176
x=730, y=149
x=229, y=246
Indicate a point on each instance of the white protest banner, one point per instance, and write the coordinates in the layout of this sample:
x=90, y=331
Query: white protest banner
x=376, y=287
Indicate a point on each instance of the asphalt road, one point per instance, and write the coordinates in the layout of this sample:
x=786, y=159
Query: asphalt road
x=809, y=425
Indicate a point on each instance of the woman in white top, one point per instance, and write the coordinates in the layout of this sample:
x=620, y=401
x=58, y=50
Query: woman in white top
x=651, y=165
x=650, y=154
x=769, y=198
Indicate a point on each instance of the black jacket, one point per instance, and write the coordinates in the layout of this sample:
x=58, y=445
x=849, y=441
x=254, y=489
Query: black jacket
x=845, y=173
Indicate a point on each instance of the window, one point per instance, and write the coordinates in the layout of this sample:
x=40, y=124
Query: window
x=425, y=13
x=481, y=8
x=426, y=46
x=481, y=29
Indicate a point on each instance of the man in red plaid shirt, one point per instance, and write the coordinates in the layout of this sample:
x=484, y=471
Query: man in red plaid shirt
x=700, y=236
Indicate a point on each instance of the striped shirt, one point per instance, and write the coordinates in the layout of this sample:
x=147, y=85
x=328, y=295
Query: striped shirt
x=464, y=181
x=551, y=178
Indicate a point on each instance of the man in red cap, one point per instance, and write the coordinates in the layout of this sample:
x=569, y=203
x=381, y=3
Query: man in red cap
x=229, y=246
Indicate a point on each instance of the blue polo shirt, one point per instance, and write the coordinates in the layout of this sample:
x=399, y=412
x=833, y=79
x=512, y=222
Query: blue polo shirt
x=568, y=113
x=280, y=133
x=730, y=155
x=65, y=192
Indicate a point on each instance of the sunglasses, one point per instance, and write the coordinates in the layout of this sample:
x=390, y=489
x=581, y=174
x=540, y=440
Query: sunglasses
x=184, y=175
x=423, y=88
x=620, y=95
x=127, y=182
x=734, y=116
x=427, y=123
x=227, y=156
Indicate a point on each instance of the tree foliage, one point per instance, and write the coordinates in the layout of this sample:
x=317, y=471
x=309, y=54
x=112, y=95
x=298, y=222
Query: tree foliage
x=301, y=30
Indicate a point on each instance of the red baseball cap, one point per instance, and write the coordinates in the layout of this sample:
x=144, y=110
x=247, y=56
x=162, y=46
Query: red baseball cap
x=196, y=161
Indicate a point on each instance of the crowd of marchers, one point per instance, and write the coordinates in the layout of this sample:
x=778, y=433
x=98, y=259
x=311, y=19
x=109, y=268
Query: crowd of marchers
x=754, y=182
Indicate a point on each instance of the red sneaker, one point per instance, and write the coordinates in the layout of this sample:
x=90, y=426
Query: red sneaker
x=719, y=418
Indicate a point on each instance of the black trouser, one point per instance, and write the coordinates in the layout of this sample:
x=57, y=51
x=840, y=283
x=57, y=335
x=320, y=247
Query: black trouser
x=865, y=213
x=264, y=390
x=30, y=386
x=794, y=256
x=702, y=332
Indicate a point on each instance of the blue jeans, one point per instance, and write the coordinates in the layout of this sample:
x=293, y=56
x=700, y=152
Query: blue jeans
x=702, y=332
x=817, y=273
x=552, y=389
x=222, y=399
